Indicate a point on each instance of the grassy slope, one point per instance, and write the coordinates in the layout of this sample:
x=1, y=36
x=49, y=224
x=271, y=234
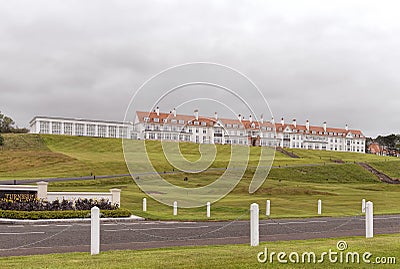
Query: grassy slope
x=230, y=256
x=293, y=191
x=35, y=156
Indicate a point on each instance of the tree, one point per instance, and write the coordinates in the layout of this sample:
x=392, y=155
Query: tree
x=7, y=125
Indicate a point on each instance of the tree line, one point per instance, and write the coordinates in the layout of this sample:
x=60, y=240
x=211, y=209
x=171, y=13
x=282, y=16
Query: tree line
x=7, y=125
x=391, y=141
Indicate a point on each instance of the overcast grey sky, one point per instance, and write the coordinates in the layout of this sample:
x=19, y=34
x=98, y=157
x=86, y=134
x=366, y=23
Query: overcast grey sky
x=335, y=61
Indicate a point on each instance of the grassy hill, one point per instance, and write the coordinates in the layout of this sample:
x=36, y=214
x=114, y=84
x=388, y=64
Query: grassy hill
x=293, y=185
x=38, y=156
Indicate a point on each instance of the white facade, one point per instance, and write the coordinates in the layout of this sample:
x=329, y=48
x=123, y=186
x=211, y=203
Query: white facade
x=80, y=127
x=215, y=130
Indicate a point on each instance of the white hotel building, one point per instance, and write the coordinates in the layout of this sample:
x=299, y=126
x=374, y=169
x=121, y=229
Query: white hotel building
x=198, y=129
x=80, y=127
x=194, y=128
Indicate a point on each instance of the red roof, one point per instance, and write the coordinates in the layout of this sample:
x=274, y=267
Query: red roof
x=316, y=130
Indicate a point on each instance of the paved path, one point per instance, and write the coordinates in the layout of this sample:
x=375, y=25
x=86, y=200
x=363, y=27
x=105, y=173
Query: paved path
x=27, y=239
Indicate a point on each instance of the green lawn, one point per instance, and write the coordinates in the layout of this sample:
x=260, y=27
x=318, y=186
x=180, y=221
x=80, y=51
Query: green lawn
x=40, y=156
x=293, y=188
x=229, y=256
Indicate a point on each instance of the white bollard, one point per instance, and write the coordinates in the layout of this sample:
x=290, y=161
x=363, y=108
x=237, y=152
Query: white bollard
x=363, y=206
x=369, y=220
x=144, y=204
x=175, y=208
x=319, y=207
x=254, y=225
x=208, y=209
x=95, y=231
x=268, y=208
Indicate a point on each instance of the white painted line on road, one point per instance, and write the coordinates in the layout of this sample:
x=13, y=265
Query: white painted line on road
x=41, y=225
x=63, y=225
x=15, y=226
x=295, y=222
x=161, y=228
x=386, y=218
x=22, y=233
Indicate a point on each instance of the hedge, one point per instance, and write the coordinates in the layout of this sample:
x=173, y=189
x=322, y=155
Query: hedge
x=62, y=214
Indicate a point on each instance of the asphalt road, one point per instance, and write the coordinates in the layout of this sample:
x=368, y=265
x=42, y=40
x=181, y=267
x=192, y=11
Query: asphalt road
x=28, y=239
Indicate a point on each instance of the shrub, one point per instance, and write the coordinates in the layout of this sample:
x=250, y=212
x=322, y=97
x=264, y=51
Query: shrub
x=38, y=205
x=67, y=214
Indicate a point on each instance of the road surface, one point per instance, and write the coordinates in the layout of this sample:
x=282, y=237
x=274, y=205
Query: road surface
x=28, y=239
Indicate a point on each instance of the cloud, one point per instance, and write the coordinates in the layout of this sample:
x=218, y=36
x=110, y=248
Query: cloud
x=334, y=61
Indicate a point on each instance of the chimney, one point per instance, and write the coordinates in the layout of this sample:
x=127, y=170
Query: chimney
x=174, y=112
x=308, y=125
x=240, y=117
x=262, y=119
x=325, y=126
x=158, y=111
x=250, y=118
x=347, y=127
x=196, y=114
x=282, y=121
x=216, y=115
x=294, y=123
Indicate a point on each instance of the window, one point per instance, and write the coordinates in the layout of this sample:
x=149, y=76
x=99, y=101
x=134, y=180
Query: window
x=68, y=128
x=181, y=121
x=204, y=130
x=203, y=123
x=165, y=120
x=196, y=123
x=56, y=127
x=79, y=129
x=156, y=120
x=91, y=130
x=123, y=132
x=173, y=121
x=146, y=119
x=44, y=127
x=112, y=131
x=102, y=130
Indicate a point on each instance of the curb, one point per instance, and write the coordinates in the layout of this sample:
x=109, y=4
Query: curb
x=132, y=218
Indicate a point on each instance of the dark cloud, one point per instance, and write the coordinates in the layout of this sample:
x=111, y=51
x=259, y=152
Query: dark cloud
x=335, y=62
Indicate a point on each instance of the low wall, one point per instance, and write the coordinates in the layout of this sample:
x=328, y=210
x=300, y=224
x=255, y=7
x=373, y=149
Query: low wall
x=114, y=196
x=52, y=196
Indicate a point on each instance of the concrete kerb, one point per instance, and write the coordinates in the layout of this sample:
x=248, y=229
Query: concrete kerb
x=80, y=220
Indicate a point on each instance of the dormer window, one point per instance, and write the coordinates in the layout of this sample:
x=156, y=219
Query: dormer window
x=146, y=119
x=196, y=123
x=165, y=120
x=156, y=119
x=203, y=123
x=181, y=122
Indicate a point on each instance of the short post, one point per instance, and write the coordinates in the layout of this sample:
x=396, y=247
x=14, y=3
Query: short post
x=116, y=196
x=254, y=225
x=208, y=209
x=42, y=190
x=95, y=231
x=369, y=220
x=363, y=206
x=175, y=208
x=319, y=207
x=144, y=204
x=268, y=208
